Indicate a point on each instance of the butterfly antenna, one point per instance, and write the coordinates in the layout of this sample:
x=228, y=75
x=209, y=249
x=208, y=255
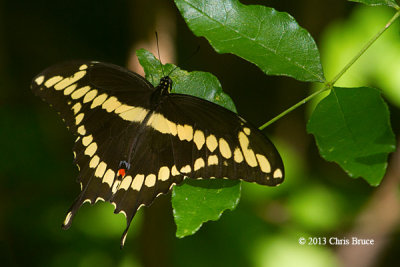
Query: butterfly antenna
x=186, y=60
x=159, y=57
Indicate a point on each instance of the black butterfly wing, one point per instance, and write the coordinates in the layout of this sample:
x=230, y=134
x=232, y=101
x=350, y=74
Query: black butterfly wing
x=151, y=174
x=74, y=87
x=112, y=112
x=212, y=142
x=104, y=105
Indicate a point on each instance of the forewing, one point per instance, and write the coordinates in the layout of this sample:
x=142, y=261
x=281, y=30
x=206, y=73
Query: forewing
x=104, y=105
x=82, y=92
x=213, y=142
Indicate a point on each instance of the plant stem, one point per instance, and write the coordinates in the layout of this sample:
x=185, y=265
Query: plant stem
x=366, y=46
x=329, y=85
x=305, y=100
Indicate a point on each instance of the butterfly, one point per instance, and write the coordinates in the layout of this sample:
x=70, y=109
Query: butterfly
x=136, y=141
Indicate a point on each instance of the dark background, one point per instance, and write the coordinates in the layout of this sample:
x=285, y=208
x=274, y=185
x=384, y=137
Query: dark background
x=38, y=177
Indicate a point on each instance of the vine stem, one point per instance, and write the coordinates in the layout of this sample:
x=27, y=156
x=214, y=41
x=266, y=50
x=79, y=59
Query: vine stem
x=329, y=85
x=298, y=104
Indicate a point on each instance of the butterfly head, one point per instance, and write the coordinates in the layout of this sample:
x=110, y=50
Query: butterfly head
x=165, y=84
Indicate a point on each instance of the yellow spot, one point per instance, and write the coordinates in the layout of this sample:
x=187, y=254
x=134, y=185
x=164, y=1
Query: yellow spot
x=246, y=130
x=80, y=92
x=186, y=169
x=211, y=142
x=123, y=108
x=278, y=174
x=199, y=163
x=101, y=169
x=70, y=80
x=90, y=96
x=159, y=123
x=185, y=132
x=115, y=186
x=212, y=160
x=87, y=200
x=224, y=148
x=76, y=108
x=150, y=180
x=124, y=238
x=83, y=67
x=111, y=104
x=163, y=173
x=70, y=89
x=87, y=140
x=99, y=100
x=53, y=80
x=81, y=130
x=109, y=177
x=68, y=218
x=247, y=152
x=264, y=163
x=137, y=182
x=126, y=182
x=172, y=185
x=172, y=127
x=79, y=118
x=39, y=80
x=237, y=155
x=99, y=199
x=136, y=114
x=174, y=171
x=94, y=162
x=124, y=213
x=199, y=139
x=91, y=149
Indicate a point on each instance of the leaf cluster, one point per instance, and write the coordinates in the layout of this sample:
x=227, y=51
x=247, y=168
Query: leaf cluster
x=351, y=126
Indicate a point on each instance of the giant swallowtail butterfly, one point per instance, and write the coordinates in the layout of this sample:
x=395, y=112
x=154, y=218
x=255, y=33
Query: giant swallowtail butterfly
x=135, y=141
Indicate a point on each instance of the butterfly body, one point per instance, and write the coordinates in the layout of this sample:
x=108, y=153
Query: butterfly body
x=135, y=141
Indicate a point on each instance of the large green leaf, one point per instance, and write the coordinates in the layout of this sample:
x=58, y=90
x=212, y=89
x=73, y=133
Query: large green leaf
x=391, y=3
x=196, y=202
x=352, y=127
x=272, y=40
x=207, y=199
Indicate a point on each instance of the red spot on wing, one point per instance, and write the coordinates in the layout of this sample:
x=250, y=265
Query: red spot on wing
x=121, y=172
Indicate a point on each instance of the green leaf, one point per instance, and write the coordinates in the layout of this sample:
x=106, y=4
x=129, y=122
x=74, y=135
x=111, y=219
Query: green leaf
x=272, y=40
x=391, y=3
x=208, y=198
x=352, y=127
x=205, y=202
